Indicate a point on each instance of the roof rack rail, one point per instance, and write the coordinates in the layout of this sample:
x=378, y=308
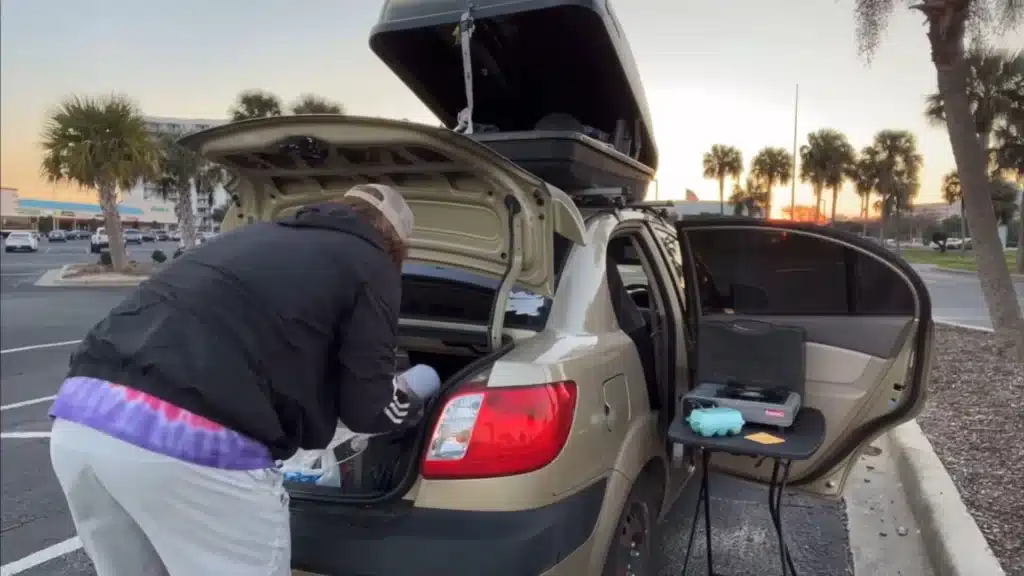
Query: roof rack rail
x=609, y=197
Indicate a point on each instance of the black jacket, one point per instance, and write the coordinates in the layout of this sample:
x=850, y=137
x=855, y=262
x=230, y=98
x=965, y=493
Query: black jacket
x=275, y=330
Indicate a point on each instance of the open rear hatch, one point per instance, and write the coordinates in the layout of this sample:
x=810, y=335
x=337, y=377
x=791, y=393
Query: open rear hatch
x=473, y=209
x=550, y=84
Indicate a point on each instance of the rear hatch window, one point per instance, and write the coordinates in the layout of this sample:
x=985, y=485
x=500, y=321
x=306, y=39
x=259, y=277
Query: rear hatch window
x=450, y=294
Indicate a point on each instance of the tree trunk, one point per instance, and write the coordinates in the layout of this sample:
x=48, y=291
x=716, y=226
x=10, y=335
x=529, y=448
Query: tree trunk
x=963, y=227
x=112, y=222
x=835, y=197
x=899, y=225
x=721, y=195
x=186, y=218
x=996, y=284
x=864, y=211
x=1020, y=240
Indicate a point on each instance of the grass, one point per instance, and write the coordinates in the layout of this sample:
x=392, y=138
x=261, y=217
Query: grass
x=953, y=259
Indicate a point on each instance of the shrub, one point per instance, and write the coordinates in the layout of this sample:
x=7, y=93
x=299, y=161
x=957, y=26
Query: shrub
x=159, y=256
x=105, y=258
x=178, y=252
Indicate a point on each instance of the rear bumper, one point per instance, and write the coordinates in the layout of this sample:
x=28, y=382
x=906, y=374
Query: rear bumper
x=428, y=542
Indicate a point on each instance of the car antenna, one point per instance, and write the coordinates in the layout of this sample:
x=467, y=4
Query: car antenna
x=465, y=33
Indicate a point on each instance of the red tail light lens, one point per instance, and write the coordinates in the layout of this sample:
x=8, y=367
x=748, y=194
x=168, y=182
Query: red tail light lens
x=490, y=432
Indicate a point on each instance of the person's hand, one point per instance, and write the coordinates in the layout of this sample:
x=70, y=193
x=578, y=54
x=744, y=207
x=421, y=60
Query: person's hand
x=401, y=384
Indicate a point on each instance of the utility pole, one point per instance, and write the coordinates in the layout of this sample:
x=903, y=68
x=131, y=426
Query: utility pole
x=792, y=194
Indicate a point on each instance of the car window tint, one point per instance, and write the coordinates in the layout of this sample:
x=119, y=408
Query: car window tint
x=763, y=271
x=670, y=242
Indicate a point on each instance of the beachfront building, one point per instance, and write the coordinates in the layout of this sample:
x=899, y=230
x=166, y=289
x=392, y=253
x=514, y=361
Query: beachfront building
x=150, y=192
x=20, y=213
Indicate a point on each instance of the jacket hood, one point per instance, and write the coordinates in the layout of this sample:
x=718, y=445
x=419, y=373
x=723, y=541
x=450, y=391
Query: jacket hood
x=334, y=217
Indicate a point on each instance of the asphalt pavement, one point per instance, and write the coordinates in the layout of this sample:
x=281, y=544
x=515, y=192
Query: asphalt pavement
x=38, y=327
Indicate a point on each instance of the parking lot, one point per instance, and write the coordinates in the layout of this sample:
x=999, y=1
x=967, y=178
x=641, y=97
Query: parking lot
x=40, y=326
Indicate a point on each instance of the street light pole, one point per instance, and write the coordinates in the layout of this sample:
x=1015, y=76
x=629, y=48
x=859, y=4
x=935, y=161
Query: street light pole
x=792, y=194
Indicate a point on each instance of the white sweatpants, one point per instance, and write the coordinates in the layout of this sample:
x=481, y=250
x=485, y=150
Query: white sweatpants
x=140, y=513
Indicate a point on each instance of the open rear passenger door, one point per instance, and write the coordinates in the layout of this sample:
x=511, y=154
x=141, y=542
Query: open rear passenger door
x=866, y=314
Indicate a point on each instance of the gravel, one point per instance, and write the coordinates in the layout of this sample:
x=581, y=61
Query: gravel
x=975, y=421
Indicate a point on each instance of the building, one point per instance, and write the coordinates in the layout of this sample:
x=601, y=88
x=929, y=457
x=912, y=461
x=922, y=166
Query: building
x=149, y=192
x=17, y=212
x=936, y=210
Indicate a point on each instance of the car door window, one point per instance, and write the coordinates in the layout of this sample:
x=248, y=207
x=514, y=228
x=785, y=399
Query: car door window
x=669, y=242
x=779, y=272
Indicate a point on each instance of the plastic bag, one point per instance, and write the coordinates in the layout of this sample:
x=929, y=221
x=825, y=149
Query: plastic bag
x=317, y=466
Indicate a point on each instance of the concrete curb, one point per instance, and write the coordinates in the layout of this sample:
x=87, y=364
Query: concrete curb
x=952, y=538
x=55, y=278
x=1013, y=275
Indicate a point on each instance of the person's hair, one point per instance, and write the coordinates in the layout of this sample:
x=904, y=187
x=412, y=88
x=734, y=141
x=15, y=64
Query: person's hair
x=393, y=244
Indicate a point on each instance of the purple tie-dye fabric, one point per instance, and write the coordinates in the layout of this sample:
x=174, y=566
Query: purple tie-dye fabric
x=153, y=424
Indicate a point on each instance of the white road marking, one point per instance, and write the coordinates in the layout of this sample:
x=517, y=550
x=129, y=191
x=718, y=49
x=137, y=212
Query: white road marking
x=24, y=435
x=24, y=403
x=40, y=557
x=39, y=346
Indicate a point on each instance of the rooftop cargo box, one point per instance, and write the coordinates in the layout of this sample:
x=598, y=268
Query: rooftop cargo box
x=555, y=86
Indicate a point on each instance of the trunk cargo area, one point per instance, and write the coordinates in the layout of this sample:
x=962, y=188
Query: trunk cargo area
x=384, y=470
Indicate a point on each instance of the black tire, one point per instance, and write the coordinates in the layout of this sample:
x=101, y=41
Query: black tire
x=94, y=249
x=634, y=546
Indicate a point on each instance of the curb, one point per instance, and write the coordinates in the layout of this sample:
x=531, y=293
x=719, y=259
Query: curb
x=1013, y=275
x=952, y=538
x=55, y=278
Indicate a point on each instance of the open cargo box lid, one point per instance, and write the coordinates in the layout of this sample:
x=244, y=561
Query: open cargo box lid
x=467, y=200
x=535, y=62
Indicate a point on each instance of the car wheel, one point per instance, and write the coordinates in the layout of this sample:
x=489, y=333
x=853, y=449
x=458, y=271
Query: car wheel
x=634, y=542
x=94, y=249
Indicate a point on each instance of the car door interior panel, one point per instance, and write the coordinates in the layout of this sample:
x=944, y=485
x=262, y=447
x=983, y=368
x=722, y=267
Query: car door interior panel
x=862, y=312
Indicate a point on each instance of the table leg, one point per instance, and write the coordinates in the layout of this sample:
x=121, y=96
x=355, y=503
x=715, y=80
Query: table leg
x=706, y=462
x=775, y=490
x=703, y=500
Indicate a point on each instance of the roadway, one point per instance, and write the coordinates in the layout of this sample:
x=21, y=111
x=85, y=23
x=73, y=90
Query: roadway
x=39, y=325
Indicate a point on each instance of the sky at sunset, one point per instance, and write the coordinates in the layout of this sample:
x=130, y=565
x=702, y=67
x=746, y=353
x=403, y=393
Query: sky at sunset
x=715, y=72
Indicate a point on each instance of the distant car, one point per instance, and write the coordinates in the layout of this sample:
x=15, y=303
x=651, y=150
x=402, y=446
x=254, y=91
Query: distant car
x=98, y=241
x=175, y=235
x=148, y=236
x=162, y=236
x=132, y=236
x=21, y=242
x=57, y=236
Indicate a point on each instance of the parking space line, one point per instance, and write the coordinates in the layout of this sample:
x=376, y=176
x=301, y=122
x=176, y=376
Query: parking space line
x=39, y=346
x=23, y=435
x=24, y=403
x=41, y=557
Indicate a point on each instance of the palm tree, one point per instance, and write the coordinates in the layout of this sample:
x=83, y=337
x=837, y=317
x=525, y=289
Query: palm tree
x=750, y=199
x=947, y=25
x=864, y=174
x=313, y=104
x=1009, y=158
x=952, y=192
x=899, y=168
x=774, y=167
x=723, y=161
x=814, y=170
x=100, y=143
x=835, y=157
x=255, y=104
x=1004, y=200
x=183, y=171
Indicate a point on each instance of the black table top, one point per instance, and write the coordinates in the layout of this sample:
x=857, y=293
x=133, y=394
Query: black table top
x=800, y=441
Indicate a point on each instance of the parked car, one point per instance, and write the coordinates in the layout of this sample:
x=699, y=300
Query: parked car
x=21, y=241
x=148, y=236
x=175, y=235
x=57, y=236
x=162, y=236
x=99, y=241
x=566, y=329
x=132, y=236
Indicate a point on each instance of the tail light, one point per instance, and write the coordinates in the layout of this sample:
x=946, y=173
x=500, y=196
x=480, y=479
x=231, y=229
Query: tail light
x=485, y=433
